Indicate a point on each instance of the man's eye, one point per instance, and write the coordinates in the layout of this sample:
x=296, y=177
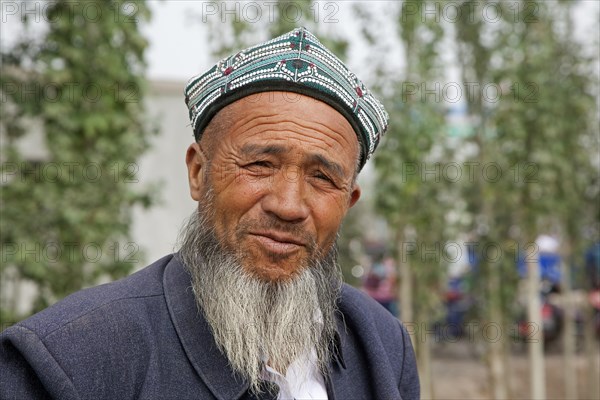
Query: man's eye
x=258, y=165
x=323, y=177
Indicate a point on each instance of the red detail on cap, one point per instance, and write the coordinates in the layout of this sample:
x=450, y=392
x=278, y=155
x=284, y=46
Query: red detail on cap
x=307, y=47
x=359, y=92
x=228, y=71
x=293, y=45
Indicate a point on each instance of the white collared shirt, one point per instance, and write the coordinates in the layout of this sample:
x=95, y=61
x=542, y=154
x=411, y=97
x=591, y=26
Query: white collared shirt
x=302, y=380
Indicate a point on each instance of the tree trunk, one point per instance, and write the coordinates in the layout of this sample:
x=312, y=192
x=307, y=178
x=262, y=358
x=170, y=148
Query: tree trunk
x=494, y=335
x=507, y=360
x=423, y=350
x=592, y=351
x=406, y=283
x=570, y=373
x=497, y=371
x=536, y=338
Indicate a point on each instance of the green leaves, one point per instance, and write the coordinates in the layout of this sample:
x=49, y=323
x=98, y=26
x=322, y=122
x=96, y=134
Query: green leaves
x=539, y=133
x=66, y=216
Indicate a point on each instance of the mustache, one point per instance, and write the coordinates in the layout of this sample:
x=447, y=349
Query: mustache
x=272, y=223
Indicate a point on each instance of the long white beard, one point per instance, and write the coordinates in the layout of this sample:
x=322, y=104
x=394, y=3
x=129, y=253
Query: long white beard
x=253, y=320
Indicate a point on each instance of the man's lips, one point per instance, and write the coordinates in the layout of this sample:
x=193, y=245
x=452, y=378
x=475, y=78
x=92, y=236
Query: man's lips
x=278, y=242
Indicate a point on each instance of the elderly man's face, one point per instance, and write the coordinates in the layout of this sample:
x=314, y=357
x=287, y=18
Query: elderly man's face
x=281, y=168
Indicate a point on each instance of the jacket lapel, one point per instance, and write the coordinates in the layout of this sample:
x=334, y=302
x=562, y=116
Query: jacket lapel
x=365, y=356
x=196, y=337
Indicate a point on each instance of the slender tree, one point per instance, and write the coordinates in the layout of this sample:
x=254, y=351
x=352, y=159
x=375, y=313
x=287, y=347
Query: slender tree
x=551, y=111
x=531, y=130
x=410, y=191
x=67, y=206
x=481, y=192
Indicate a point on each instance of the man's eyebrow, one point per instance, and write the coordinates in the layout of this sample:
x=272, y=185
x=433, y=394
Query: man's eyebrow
x=257, y=149
x=329, y=165
x=313, y=158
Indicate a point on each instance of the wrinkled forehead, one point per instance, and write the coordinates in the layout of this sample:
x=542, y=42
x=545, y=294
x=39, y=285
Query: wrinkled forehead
x=278, y=117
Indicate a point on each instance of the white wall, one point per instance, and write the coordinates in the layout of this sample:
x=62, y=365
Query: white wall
x=155, y=230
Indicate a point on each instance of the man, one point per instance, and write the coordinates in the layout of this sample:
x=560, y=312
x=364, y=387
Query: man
x=253, y=305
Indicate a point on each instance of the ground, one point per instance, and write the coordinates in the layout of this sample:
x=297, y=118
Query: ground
x=459, y=373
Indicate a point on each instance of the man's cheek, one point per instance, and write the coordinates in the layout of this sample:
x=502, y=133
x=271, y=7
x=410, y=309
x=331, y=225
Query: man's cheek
x=222, y=232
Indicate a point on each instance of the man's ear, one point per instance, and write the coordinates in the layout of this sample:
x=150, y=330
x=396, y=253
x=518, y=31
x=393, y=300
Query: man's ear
x=196, y=164
x=355, y=195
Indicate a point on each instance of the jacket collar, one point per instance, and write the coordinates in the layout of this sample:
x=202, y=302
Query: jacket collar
x=196, y=337
x=198, y=342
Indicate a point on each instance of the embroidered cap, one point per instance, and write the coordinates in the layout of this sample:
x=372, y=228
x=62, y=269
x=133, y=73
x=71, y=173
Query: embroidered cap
x=294, y=62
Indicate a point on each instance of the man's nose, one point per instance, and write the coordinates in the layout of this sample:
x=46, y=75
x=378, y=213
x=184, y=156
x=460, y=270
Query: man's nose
x=286, y=198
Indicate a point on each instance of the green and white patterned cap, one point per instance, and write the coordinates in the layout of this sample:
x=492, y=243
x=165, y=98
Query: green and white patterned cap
x=294, y=62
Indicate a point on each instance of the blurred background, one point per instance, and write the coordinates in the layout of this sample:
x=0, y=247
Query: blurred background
x=479, y=221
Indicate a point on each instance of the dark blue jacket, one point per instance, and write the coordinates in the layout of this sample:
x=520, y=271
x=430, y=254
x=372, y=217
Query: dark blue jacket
x=143, y=338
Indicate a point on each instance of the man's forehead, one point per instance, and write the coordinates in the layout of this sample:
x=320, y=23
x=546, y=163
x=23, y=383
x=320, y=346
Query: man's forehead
x=286, y=104
x=273, y=124
x=277, y=107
